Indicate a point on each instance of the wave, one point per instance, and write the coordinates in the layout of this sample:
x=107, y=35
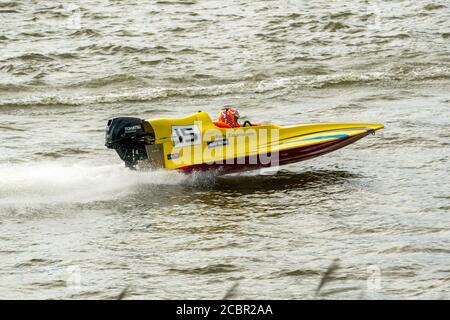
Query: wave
x=85, y=33
x=33, y=34
x=183, y=2
x=115, y=79
x=155, y=62
x=434, y=6
x=39, y=57
x=59, y=153
x=248, y=86
x=334, y=26
x=11, y=87
x=112, y=49
x=8, y=11
x=32, y=57
x=134, y=95
x=9, y=4
x=7, y=68
x=64, y=55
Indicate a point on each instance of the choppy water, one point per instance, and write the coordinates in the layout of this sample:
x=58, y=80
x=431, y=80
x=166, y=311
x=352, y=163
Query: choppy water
x=69, y=211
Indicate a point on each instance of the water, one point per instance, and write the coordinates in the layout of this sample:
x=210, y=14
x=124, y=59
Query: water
x=75, y=224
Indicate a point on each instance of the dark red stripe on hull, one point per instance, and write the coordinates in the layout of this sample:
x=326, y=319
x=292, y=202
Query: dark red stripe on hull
x=285, y=157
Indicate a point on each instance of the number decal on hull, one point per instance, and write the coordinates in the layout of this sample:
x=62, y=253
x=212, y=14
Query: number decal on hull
x=186, y=135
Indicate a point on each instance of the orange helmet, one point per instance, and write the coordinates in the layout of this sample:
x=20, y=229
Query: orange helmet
x=229, y=116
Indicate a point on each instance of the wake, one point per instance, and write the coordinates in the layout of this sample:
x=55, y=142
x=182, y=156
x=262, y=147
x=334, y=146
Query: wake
x=57, y=182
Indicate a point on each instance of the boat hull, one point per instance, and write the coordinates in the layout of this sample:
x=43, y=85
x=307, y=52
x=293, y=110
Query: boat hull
x=284, y=157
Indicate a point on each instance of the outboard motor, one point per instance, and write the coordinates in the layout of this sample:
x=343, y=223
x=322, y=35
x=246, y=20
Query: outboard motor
x=127, y=136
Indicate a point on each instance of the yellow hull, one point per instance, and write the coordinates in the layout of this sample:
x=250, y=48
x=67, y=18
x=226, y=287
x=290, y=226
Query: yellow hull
x=195, y=143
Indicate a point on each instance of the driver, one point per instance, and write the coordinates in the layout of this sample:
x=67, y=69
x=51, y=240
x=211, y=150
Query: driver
x=229, y=116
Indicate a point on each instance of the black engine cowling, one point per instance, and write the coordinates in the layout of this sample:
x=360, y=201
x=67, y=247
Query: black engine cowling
x=127, y=136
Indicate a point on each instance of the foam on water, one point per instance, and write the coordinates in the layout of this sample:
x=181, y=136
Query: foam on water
x=50, y=182
x=285, y=84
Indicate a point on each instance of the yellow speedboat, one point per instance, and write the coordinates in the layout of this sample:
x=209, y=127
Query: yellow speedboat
x=196, y=142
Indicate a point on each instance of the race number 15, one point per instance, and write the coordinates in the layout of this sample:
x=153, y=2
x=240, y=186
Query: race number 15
x=186, y=135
